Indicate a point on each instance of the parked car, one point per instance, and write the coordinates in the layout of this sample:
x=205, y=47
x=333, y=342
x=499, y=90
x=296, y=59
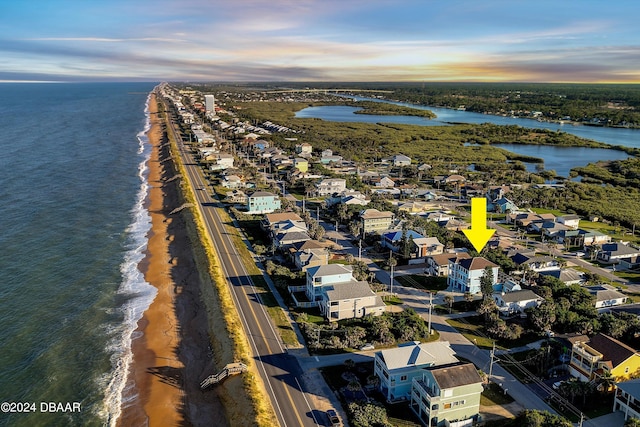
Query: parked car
x=333, y=418
x=368, y=346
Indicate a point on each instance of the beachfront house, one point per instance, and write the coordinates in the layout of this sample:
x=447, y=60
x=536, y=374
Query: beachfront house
x=339, y=295
x=447, y=396
x=309, y=254
x=326, y=275
x=348, y=301
x=397, y=367
x=262, y=202
x=232, y=182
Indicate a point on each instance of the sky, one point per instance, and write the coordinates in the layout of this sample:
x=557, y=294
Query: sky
x=593, y=41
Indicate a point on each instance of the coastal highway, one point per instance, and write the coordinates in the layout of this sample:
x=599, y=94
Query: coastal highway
x=279, y=370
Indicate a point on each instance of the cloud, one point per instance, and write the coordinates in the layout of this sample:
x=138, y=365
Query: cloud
x=330, y=39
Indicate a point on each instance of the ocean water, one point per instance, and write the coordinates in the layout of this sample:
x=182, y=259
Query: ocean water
x=72, y=232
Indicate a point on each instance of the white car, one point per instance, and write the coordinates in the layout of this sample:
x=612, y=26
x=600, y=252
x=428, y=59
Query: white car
x=368, y=346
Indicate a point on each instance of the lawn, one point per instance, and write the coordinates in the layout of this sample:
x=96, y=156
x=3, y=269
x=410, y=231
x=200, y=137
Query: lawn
x=392, y=300
x=424, y=282
x=631, y=276
x=474, y=333
x=473, y=329
x=493, y=394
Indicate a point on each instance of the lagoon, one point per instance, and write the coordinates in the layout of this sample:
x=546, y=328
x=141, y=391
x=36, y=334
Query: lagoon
x=560, y=159
x=445, y=116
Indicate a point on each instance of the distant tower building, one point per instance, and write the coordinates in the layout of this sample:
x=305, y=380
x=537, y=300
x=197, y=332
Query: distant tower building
x=209, y=103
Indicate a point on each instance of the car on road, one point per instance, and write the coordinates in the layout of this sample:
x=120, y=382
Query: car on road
x=334, y=421
x=368, y=346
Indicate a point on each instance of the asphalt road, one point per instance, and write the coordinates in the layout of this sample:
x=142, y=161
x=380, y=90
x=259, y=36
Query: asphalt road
x=279, y=370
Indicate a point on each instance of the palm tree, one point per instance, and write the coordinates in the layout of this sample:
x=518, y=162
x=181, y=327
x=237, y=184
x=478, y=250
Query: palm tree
x=468, y=298
x=392, y=263
x=606, y=382
x=449, y=300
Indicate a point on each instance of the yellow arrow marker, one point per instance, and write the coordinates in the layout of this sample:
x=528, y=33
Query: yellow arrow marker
x=479, y=234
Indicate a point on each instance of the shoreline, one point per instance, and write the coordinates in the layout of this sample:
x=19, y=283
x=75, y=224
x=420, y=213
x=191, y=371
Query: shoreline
x=144, y=397
x=170, y=346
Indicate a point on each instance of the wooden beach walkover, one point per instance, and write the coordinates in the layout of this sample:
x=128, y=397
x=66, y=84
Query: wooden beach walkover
x=230, y=369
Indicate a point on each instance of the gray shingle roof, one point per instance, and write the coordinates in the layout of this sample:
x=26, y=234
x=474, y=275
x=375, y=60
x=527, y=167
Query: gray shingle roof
x=348, y=290
x=456, y=376
x=523, y=295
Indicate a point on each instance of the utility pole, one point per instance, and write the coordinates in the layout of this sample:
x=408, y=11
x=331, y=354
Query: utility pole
x=391, y=265
x=493, y=350
x=430, y=305
x=360, y=250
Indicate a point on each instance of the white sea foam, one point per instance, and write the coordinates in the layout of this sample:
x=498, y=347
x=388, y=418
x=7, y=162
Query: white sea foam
x=138, y=293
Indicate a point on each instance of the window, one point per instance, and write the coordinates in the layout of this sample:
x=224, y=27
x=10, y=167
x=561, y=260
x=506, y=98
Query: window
x=447, y=406
x=404, y=377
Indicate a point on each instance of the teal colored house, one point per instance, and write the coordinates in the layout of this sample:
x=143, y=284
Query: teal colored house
x=262, y=202
x=502, y=205
x=397, y=367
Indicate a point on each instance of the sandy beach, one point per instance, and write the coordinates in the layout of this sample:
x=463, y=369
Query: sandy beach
x=171, y=348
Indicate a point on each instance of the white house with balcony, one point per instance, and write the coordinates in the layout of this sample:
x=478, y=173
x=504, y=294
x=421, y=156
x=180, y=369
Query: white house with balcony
x=465, y=274
x=330, y=186
x=397, y=367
